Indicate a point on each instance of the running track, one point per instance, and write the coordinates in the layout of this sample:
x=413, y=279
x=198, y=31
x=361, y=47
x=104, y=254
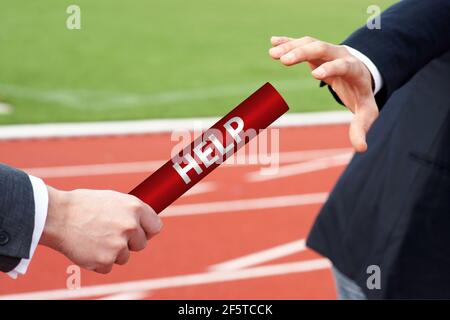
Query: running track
x=234, y=236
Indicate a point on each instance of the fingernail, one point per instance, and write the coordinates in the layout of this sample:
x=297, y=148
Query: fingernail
x=360, y=146
x=276, y=51
x=319, y=72
x=288, y=57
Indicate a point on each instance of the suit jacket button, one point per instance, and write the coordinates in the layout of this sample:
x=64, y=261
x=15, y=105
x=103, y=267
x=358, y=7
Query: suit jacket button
x=4, y=237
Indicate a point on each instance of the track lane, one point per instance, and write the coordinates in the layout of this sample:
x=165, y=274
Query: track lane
x=190, y=244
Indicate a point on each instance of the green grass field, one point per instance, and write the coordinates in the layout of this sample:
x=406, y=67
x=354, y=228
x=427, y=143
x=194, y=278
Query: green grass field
x=158, y=58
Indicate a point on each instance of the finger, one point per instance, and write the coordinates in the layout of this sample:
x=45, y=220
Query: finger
x=316, y=50
x=138, y=241
x=335, y=68
x=123, y=257
x=150, y=222
x=358, y=135
x=104, y=269
x=280, y=50
x=360, y=125
x=276, y=40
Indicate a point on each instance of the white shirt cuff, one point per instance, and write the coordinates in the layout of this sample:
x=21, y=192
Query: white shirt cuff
x=40, y=194
x=376, y=75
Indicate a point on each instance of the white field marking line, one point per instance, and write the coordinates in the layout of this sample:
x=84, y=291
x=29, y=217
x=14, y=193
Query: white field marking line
x=105, y=100
x=245, y=204
x=137, y=127
x=302, y=167
x=176, y=281
x=261, y=256
x=150, y=166
x=5, y=108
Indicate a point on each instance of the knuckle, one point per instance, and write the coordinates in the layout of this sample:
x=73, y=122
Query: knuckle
x=296, y=53
x=349, y=63
x=344, y=50
x=346, y=64
x=332, y=66
x=287, y=46
x=321, y=47
x=136, y=206
x=120, y=245
x=307, y=38
x=130, y=225
x=159, y=225
x=106, y=260
x=352, y=60
x=154, y=228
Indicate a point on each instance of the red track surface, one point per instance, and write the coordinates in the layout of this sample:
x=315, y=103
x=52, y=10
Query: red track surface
x=192, y=243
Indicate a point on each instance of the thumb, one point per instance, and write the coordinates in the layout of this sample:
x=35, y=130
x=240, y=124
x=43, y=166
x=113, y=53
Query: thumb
x=364, y=117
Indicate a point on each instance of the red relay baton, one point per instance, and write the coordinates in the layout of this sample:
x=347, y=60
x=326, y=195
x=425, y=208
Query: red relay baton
x=213, y=147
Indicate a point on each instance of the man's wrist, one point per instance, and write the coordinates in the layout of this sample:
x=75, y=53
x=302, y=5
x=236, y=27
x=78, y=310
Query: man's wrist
x=377, y=80
x=59, y=202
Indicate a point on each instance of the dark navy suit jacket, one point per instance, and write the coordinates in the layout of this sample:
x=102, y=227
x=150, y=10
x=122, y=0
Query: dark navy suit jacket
x=16, y=217
x=391, y=206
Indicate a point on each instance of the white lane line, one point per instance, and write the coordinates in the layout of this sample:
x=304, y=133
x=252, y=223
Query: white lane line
x=176, y=281
x=132, y=295
x=94, y=169
x=150, y=166
x=202, y=187
x=115, y=168
x=302, y=167
x=230, y=265
x=245, y=204
x=136, y=127
x=296, y=156
x=261, y=256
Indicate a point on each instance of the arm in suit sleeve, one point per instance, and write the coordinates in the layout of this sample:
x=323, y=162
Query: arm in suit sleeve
x=21, y=218
x=413, y=32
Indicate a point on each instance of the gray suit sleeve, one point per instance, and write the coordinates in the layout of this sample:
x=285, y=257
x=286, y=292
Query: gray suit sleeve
x=16, y=217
